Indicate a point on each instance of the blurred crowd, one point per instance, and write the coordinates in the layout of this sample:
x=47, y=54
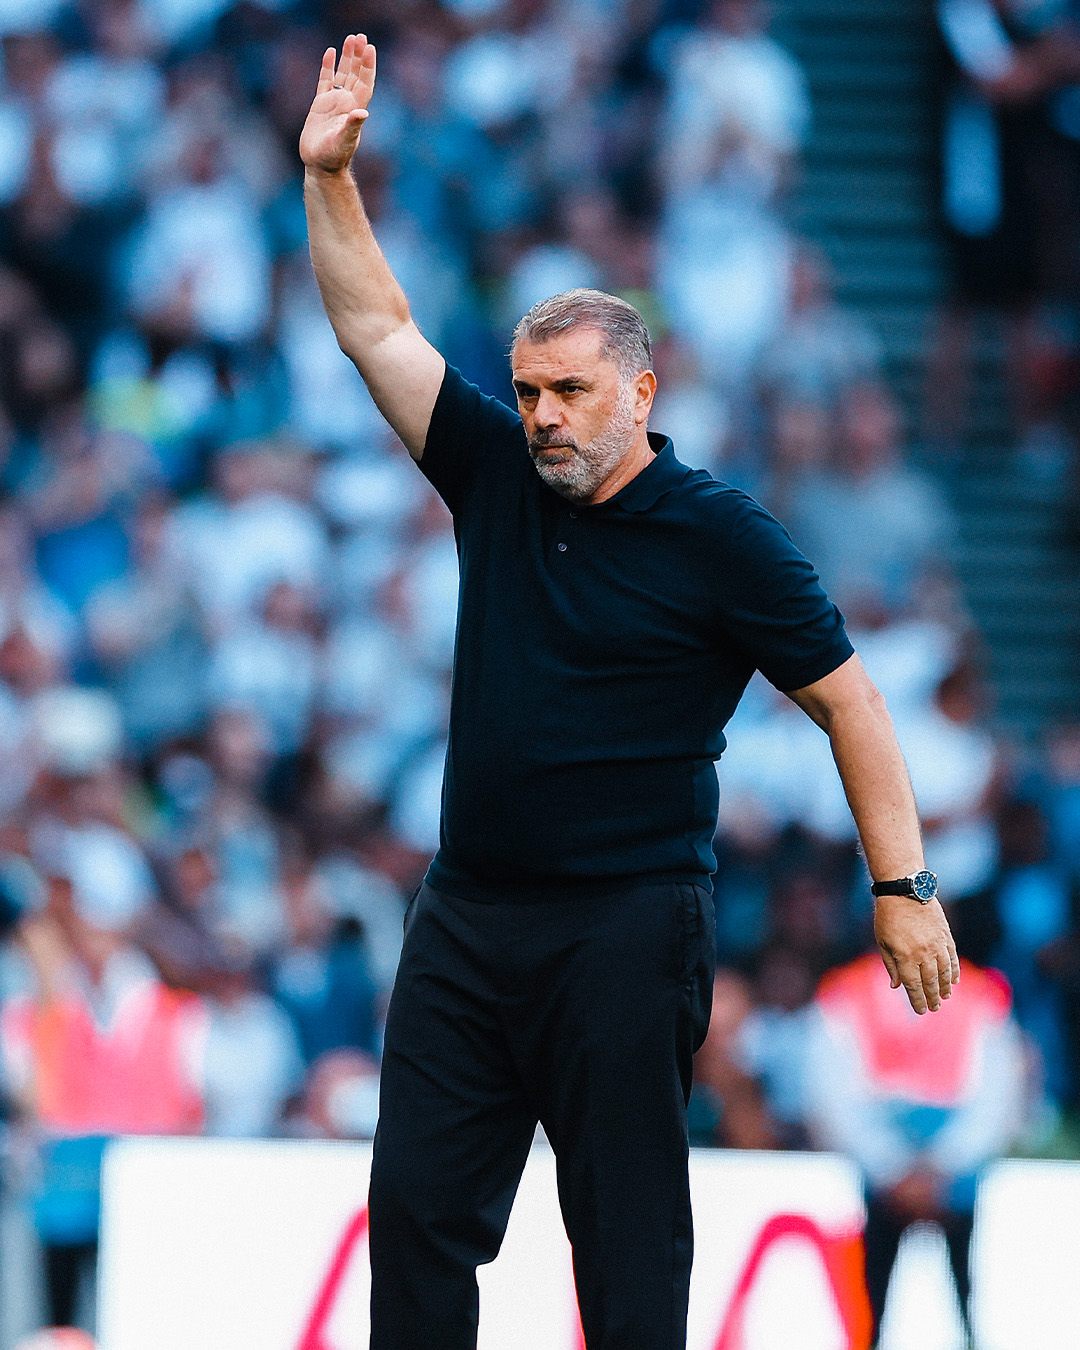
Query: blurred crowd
x=1010, y=210
x=227, y=600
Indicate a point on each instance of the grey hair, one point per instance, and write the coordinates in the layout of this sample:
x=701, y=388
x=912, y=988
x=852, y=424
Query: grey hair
x=626, y=339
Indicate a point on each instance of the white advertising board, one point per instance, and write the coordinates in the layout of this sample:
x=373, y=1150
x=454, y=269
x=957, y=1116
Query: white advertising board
x=1026, y=1256
x=220, y=1245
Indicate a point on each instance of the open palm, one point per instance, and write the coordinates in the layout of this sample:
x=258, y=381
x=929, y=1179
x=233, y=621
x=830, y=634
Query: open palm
x=332, y=130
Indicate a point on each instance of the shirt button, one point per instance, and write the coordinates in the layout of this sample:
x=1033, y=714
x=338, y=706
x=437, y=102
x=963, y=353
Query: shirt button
x=573, y=515
x=562, y=548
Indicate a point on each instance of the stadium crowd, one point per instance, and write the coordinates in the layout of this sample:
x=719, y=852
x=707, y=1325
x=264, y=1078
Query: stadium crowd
x=227, y=600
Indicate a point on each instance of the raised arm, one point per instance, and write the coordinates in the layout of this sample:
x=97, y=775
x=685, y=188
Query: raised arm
x=365, y=304
x=914, y=939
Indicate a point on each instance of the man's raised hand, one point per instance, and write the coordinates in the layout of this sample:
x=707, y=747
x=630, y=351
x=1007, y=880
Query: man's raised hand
x=332, y=130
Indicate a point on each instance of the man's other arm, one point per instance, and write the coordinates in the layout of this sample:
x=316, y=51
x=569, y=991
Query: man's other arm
x=365, y=304
x=914, y=939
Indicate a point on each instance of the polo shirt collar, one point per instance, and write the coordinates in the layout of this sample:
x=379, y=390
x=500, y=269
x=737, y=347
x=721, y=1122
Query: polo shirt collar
x=660, y=475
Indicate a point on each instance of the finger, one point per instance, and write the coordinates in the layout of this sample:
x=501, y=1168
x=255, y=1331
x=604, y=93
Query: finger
x=365, y=83
x=954, y=961
x=913, y=984
x=344, y=63
x=944, y=974
x=326, y=74
x=931, y=988
x=891, y=967
x=352, y=74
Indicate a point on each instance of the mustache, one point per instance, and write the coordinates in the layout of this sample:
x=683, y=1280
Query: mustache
x=547, y=440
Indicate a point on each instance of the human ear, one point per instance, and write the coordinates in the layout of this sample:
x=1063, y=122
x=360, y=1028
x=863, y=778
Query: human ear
x=645, y=392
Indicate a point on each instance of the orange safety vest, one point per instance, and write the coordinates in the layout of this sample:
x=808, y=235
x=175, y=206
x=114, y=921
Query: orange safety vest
x=128, y=1078
x=927, y=1059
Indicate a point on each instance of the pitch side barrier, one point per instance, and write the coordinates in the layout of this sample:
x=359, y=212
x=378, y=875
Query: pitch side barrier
x=248, y=1245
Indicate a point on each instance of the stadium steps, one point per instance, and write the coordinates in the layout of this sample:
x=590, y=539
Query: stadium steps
x=866, y=195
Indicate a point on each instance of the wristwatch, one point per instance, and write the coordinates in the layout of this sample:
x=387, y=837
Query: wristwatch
x=921, y=886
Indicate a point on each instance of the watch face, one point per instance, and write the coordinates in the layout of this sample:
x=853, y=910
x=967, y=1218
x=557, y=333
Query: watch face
x=924, y=885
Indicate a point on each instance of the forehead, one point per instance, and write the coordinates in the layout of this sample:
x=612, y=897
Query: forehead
x=577, y=352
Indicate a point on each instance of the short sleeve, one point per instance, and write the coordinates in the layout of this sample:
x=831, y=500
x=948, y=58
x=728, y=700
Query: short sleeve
x=772, y=605
x=469, y=431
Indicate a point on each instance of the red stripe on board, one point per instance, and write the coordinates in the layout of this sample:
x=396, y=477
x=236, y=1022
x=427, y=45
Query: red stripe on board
x=842, y=1257
x=315, y=1337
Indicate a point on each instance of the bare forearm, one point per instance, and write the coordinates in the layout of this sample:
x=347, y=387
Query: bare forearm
x=363, y=300
x=851, y=711
x=365, y=304
x=368, y=308
x=878, y=789
x=914, y=939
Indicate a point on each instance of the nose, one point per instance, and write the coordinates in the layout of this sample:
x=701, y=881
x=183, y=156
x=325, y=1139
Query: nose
x=548, y=411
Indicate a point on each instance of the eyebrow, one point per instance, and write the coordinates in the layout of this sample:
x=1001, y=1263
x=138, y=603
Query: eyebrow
x=559, y=386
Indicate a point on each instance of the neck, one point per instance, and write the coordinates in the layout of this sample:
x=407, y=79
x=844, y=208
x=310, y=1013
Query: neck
x=638, y=457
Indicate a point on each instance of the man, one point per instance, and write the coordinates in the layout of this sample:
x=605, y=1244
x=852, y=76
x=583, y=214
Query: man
x=558, y=960
x=97, y=1047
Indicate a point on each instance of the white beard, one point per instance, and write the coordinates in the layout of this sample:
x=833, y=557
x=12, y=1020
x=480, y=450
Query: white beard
x=587, y=466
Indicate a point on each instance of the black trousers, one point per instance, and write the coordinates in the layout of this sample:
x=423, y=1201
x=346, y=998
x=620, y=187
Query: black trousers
x=583, y=1014
x=884, y=1229
x=65, y=1266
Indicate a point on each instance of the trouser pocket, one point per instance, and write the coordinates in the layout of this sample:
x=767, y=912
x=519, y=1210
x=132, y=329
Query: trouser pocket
x=697, y=913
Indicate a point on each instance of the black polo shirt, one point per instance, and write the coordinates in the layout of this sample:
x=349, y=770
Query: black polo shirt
x=600, y=652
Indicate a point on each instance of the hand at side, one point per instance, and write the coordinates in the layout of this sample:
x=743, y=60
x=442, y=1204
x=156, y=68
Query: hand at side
x=917, y=948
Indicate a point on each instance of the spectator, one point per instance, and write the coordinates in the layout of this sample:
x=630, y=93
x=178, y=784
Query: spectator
x=95, y=1047
x=1010, y=176
x=1033, y=904
x=257, y=530
x=253, y=1063
x=822, y=349
x=246, y=846
x=921, y=1106
x=269, y=667
x=739, y=107
x=183, y=934
x=1063, y=797
x=726, y=1106
x=850, y=515
x=341, y=1100
x=146, y=634
x=321, y=977
x=201, y=254
x=774, y=1039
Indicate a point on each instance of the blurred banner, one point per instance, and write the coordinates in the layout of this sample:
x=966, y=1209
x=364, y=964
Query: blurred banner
x=220, y=1245
x=1026, y=1256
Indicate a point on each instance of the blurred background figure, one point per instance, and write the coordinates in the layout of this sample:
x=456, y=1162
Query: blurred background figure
x=726, y=1108
x=920, y=1105
x=63, y=1338
x=96, y=1047
x=1010, y=199
x=342, y=1097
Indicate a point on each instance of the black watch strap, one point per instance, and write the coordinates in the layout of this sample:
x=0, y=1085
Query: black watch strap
x=921, y=886
x=902, y=886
